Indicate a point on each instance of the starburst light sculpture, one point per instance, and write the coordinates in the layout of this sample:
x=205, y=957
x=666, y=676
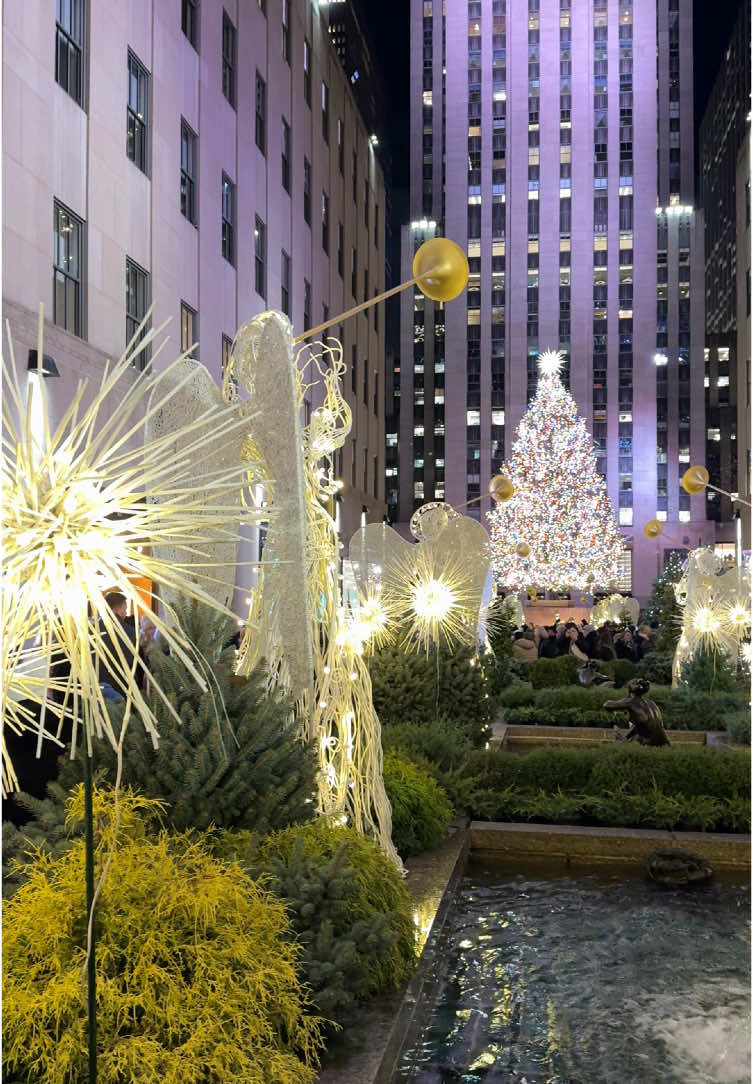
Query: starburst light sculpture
x=85, y=510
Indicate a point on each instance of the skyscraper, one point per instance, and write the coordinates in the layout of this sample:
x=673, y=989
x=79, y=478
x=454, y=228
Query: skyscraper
x=541, y=141
x=208, y=158
x=721, y=136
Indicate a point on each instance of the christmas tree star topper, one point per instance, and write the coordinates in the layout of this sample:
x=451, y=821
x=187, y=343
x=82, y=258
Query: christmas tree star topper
x=551, y=362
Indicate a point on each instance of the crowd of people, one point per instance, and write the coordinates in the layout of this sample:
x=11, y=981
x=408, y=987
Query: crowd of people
x=585, y=642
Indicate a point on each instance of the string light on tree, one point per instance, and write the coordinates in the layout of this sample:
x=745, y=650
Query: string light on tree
x=557, y=509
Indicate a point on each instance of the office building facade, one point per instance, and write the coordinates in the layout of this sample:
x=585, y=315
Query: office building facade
x=541, y=142
x=721, y=135
x=208, y=159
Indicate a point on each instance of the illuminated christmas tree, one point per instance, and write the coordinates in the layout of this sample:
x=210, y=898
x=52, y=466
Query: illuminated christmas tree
x=558, y=530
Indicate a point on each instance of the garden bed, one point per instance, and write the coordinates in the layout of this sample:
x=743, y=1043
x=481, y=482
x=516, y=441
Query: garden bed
x=689, y=788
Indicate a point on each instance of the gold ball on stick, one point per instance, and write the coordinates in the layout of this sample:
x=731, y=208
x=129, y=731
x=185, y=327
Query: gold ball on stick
x=653, y=529
x=695, y=479
x=441, y=268
x=522, y=549
x=501, y=488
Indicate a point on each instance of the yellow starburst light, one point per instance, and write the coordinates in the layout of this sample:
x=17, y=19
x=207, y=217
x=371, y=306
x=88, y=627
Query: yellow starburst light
x=85, y=511
x=435, y=598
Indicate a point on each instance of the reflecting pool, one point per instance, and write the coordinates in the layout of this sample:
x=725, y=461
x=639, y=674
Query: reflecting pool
x=588, y=978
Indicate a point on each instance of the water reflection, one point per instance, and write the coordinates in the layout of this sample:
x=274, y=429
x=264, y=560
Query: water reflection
x=594, y=979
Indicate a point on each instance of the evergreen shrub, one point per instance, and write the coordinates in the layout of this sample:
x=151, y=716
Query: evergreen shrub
x=244, y=766
x=656, y=667
x=348, y=907
x=196, y=970
x=708, y=671
x=420, y=809
x=547, y=673
x=442, y=744
x=412, y=687
x=517, y=696
x=738, y=727
x=46, y=832
x=621, y=671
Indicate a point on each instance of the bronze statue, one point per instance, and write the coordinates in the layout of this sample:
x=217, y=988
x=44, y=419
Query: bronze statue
x=589, y=675
x=645, y=717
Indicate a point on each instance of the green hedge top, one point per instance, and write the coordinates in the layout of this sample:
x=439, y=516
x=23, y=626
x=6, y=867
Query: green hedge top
x=688, y=772
x=682, y=709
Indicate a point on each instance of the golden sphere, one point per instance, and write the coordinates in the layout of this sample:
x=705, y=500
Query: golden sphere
x=441, y=268
x=653, y=529
x=695, y=479
x=501, y=488
x=522, y=549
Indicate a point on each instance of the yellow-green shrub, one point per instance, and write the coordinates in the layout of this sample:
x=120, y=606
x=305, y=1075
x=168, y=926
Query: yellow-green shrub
x=196, y=970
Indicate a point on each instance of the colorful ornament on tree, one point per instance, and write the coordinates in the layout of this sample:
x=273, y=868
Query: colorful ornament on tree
x=559, y=502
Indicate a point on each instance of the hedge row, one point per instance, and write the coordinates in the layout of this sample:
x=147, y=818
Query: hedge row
x=703, y=789
x=688, y=772
x=682, y=709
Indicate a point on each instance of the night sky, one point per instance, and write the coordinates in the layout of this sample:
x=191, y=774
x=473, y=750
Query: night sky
x=388, y=25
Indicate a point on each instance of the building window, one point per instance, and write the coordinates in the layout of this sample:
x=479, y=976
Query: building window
x=355, y=177
x=226, y=350
x=307, y=72
x=366, y=202
x=376, y=224
x=228, y=59
x=325, y=222
x=137, y=302
x=261, y=114
x=188, y=155
x=260, y=257
x=307, y=190
x=306, y=304
x=353, y=369
x=340, y=147
x=190, y=21
x=353, y=273
x=285, y=155
x=189, y=328
x=325, y=112
x=69, y=47
x=137, y=112
x=67, y=270
x=340, y=249
x=228, y=219
x=285, y=283
x=286, y=31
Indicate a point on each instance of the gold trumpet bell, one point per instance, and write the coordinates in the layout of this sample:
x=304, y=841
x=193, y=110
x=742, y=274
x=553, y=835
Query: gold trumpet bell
x=440, y=268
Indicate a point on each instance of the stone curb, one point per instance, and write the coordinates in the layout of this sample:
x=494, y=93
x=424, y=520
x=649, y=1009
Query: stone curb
x=633, y=845
x=387, y=1025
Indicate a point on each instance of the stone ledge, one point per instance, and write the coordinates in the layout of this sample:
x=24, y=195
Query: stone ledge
x=384, y=1027
x=632, y=845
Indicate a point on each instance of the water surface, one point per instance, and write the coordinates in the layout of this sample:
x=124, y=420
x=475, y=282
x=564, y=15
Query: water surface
x=591, y=978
